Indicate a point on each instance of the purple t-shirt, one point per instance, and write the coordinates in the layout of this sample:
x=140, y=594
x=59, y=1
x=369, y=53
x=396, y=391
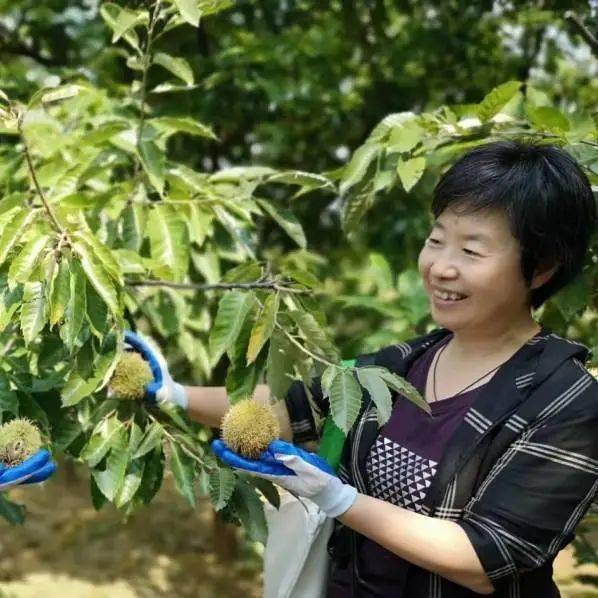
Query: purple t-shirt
x=401, y=466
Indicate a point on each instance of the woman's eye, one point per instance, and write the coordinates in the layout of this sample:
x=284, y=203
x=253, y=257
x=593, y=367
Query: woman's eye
x=433, y=241
x=470, y=252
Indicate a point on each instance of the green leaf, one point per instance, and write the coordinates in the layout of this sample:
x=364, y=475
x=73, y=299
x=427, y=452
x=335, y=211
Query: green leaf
x=126, y=20
x=410, y=171
x=279, y=373
x=153, y=475
x=183, y=469
x=130, y=484
x=134, y=217
x=404, y=387
x=11, y=511
x=12, y=201
x=286, y=220
x=76, y=389
x=548, y=118
x=345, y=400
x=232, y=310
x=110, y=13
x=33, y=311
x=248, y=505
x=98, y=276
x=22, y=266
x=268, y=489
x=405, y=137
x=103, y=255
x=152, y=439
x=169, y=241
x=222, y=485
x=181, y=124
x=497, y=99
x=10, y=301
x=63, y=92
x=179, y=67
x=375, y=385
x=264, y=326
x=76, y=307
x=101, y=440
x=12, y=231
x=110, y=480
x=314, y=334
x=309, y=181
x=355, y=208
x=152, y=160
x=355, y=170
x=189, y=10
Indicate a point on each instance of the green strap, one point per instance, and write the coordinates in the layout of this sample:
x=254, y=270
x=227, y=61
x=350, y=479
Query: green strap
x=333, y=438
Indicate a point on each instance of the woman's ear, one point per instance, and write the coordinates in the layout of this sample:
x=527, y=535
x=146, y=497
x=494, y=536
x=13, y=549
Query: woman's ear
x=542, y=275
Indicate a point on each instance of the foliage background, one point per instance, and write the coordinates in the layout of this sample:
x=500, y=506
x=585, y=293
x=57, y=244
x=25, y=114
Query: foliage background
x=290, y=86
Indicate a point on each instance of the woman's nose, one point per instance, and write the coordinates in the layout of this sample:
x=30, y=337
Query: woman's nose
x=443, y=267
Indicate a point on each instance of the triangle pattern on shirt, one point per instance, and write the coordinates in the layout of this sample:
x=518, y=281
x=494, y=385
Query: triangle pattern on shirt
x=398, y=475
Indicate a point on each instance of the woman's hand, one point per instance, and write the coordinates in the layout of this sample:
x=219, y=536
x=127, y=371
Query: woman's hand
x=37, y=468
x=303, y=473
x=163, y=387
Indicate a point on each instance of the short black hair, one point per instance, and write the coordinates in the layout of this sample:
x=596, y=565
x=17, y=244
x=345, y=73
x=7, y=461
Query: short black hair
x=545, y=194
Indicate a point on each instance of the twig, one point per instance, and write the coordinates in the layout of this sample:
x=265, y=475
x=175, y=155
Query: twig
x=33, y=175
x=587, y=35
x=215, y=286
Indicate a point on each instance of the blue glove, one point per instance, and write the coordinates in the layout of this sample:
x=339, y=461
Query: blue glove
x=301, y=472
x=163, y=388
x=37, y=468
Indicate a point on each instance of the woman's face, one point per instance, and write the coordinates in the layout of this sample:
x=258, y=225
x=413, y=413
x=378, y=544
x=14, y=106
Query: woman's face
x=474, y=255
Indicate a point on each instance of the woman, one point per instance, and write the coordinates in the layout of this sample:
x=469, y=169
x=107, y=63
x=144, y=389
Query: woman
x=479, y=497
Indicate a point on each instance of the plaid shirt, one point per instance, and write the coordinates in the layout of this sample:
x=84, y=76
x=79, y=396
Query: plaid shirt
x=518, y=475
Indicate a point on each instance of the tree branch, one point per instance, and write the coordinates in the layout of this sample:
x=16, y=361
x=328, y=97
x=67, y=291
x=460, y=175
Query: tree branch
x=246, y=286
x=587, y=35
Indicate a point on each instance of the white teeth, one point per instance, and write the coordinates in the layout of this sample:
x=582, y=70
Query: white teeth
x=448, y=296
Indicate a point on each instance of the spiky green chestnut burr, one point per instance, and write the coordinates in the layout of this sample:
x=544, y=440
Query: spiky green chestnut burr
x=248, y=428
x=19, y=440
x=130, y=376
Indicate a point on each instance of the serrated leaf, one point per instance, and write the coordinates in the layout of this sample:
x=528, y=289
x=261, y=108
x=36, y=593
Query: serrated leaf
x=130, y=483
x=110, y=480
x=153, y=475
x=286, y=220
x=222, y=486
x=134, y=217
x=33, y=311
x=76, y=306
x=375, y=385
x=279, y=373
x=262, y=330
x=232, y=310
x=355, y=208
x=405, y=137
x=101, y=441
x=76, y=389
x=110, y=13
x=152, y=439
x=268, y=489
x=153, y=161
x=309, y=181
x=314, y=334
x=405, y=388
x=182, y=125
x=11, y=511
x=189, y=10
x=355, y=170
x=12, y=201
x=103, y=255
x=248, y=506
x=12, y=231
x=494, y=101
x=63, y=92
x=327, y=377
x=410, y=171
x=22, y=266
x=97, y=276
x=548, y=118
x=179, y=67
x=169, y=240
x=345, y=400
x=183, y=469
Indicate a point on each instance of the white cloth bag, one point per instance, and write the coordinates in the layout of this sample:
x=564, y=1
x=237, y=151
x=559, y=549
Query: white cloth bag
x=295, y=557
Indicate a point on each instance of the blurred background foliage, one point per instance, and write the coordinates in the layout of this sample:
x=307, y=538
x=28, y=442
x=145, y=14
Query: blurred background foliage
x=296, y=84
